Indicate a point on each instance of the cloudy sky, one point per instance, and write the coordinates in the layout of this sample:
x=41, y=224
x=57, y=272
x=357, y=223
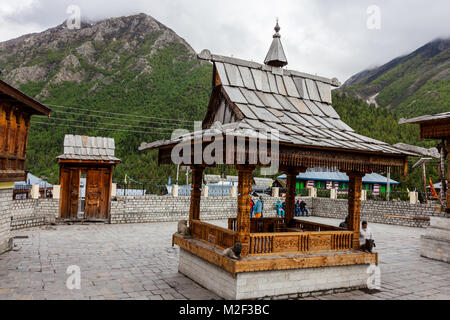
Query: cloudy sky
x=324, y=37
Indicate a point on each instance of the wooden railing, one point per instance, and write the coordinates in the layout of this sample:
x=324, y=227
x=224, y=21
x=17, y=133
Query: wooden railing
x=259, y=224
x=299, y=242
x=314, y=226
x=213, y=234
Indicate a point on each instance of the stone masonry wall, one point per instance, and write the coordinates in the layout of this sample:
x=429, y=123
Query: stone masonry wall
x=5, y=218
x=392, y=212
x=29, y=213
x=140, y=209
x=156, y=208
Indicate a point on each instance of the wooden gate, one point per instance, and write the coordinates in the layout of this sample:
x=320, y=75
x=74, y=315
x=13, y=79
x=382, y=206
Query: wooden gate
x=97, y=193
x=70, y=191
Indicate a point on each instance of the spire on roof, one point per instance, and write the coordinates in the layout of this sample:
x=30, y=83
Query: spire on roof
x=276, y=57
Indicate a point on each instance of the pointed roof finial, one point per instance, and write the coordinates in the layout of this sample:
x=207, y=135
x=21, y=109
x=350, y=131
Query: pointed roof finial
x=276, y=57
x=277, y=30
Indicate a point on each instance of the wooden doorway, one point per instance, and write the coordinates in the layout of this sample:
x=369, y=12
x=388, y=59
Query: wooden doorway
x=94, y=203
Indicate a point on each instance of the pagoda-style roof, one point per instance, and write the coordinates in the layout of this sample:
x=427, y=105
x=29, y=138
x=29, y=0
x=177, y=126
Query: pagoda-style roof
x=250, y=98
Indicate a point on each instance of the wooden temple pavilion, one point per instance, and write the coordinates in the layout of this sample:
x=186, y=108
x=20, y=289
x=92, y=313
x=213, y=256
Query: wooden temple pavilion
x=249, y=98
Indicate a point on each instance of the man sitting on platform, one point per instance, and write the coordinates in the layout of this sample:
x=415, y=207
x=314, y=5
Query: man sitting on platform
x=366, y=241
x=303, y=209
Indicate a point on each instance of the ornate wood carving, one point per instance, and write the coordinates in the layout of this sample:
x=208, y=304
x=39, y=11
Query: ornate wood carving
x=354, y=205
x=245, y=181
x=196, y=192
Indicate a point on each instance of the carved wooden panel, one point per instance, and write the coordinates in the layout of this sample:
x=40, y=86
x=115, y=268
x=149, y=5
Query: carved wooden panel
x=285, y=243
x=320, y=242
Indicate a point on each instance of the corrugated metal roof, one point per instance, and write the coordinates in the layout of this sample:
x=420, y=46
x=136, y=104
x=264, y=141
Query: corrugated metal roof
x=88, y=148
x=31, y=180
x=340, y=177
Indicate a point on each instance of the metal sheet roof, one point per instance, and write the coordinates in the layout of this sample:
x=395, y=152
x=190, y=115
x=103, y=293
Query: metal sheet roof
x=340, y=177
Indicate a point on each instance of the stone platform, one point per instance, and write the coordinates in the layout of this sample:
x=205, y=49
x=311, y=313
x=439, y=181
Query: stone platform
x=435, y=243
x=261, y=276
x=263, y=284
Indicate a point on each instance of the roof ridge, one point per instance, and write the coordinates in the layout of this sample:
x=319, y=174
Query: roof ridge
x=207, y=55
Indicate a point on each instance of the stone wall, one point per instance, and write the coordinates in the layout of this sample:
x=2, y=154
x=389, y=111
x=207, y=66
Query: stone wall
x=165, y=208
x=140, y=209
x=392, y=212
x=29, y=213
x=5, y=218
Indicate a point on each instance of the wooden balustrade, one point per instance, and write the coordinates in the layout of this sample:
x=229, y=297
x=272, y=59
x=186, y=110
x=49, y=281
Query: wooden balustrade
x=299, y=242
x=314, y=226
x=259, y=224
x=213, y=234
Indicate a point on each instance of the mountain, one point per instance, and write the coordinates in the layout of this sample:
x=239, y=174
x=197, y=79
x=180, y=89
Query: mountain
x=411, y=85
x=131, y=78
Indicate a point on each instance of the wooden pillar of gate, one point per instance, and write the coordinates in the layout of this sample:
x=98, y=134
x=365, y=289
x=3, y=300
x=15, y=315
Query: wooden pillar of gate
x=354, y=205
x=194, y=210
x=245, y=176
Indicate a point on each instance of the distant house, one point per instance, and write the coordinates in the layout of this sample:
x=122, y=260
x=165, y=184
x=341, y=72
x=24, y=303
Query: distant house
x=22, y=188
x=325, y=179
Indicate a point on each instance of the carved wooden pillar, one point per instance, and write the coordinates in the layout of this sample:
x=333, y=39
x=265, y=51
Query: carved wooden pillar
x=447, y=209
x=243, y=214
x=194, y=210
x=354, y=205
x=291, y=179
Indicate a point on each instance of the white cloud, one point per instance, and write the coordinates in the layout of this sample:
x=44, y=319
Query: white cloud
x=329, y=38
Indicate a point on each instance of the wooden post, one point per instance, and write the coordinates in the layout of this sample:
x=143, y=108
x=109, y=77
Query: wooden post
x=354, y=205
x=290, y=195
x=424, y=172
x=447, y=209
x=442, y=170
x=243, y=215
x=194, y=210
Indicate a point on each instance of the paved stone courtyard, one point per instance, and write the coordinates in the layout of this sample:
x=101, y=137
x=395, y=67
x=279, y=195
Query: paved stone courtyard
x=136, y=261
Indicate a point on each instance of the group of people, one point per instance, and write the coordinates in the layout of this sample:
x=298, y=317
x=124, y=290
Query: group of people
x=256, y=209
x=300, y=208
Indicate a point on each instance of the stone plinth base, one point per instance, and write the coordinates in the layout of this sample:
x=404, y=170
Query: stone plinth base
x=435, y=244
x=261, y=284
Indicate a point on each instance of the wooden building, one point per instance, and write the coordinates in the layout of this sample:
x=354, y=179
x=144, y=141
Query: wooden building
x=251, y=101
x=435, y=241
x=437, y=127
x=16, y=108
x=91, y=158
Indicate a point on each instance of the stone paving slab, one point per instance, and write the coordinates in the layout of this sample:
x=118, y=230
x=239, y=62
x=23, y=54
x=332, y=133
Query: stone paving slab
x=136, y=261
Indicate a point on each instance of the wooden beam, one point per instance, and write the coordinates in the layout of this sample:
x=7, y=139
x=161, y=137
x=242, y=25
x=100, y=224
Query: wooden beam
x=354, y=205
x=245, y=176
x=194, y=210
